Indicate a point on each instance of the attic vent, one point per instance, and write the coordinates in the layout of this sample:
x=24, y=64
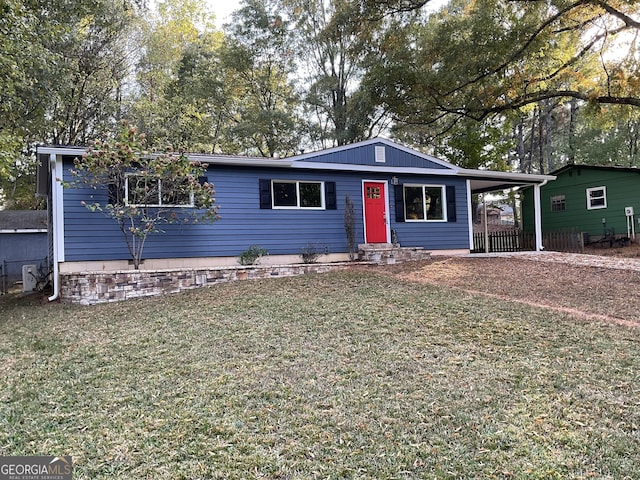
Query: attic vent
x=380, y=155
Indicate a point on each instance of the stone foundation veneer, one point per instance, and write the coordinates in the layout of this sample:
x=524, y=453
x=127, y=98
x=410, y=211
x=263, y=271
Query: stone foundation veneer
x=389, y=254
x=90, y=288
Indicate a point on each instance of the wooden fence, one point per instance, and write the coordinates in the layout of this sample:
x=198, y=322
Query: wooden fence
x=519, y=241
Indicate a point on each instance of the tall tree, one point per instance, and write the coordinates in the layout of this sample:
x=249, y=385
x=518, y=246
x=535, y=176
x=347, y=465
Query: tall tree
x=489, y=56
x=334, y=49
x=63, y=66
x=262, y=104
x=177, y=39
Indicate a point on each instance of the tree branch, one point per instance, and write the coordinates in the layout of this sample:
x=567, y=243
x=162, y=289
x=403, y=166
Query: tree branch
x=481, y=114
x=520, y=51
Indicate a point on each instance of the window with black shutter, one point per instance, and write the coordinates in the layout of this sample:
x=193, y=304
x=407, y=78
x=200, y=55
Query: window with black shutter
x=297, y=194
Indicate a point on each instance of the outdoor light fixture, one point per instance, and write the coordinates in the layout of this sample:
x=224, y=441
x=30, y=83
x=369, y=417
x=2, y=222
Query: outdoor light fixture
x=394, y=180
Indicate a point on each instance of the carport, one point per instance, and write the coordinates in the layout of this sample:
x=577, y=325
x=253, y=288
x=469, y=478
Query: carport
x=480, y=182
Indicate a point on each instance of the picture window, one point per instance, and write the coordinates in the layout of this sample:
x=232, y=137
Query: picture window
x=298, y=194
x=424, y=203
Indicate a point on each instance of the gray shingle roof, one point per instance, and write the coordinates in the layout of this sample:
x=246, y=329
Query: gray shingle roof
x=23, y=219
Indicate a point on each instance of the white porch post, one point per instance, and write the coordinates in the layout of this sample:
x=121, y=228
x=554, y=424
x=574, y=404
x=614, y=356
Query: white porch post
x=538, y=215
x=58, y=221
x=485, y=220
x=470, y=214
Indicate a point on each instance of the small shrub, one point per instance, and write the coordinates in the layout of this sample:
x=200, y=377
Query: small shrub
x=312, y=251
x=252, y=255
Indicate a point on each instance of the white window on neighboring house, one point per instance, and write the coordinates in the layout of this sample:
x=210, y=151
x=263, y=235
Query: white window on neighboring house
x=558, y=203
x=596, y=198
x=143, y=191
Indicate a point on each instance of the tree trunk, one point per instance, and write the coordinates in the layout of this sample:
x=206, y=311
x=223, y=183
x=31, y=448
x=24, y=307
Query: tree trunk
x=548, y=135
x=532, y=140
x=541, y=150
x=520, y=150
x=572, y=130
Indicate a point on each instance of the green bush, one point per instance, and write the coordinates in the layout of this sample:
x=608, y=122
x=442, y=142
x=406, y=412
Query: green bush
x=252, y=255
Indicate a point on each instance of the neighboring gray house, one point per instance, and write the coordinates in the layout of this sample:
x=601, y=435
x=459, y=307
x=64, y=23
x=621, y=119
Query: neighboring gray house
x=23, y=241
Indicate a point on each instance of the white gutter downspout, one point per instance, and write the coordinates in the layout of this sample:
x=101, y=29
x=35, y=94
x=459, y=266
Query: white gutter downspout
x=56, y=206
x=470, y=214
x=538, y=214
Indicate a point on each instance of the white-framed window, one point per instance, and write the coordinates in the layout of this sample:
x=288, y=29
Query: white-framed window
x=425, y=203
x=143, y=191
x=596, y=198
x=297, y=194
x=558, y=203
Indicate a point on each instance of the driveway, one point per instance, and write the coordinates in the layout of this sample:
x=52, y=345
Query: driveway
x=576, y=259
x=583, y=287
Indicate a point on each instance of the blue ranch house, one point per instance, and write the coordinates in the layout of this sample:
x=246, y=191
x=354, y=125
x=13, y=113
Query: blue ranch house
x=284, y=205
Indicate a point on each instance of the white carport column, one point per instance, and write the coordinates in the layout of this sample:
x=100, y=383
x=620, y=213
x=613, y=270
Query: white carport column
x=538, y=215
x=58, y=221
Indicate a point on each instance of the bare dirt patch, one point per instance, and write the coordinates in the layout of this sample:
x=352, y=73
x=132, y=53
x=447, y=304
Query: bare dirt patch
x=589, y=292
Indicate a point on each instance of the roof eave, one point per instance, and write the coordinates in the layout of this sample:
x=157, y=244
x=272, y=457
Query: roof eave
x=510, y=176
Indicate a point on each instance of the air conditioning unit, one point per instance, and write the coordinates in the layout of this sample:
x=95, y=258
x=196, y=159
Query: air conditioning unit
x=29, y=278
x=628, y=211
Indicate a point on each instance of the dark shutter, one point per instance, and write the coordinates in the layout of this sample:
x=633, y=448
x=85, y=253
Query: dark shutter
x=330, y=197
x=399, y=194
x=451, y=203
x=265, y=193
x=203, y=179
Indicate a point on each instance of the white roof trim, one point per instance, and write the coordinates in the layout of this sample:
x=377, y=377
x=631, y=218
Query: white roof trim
x=60, y=150
x=497, y=175
x=242, y=161
x=23, y=230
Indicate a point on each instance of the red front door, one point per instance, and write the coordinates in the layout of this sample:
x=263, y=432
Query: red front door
x=375, y=212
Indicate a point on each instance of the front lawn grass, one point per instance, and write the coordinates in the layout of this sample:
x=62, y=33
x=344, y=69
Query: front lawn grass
x=345, y=375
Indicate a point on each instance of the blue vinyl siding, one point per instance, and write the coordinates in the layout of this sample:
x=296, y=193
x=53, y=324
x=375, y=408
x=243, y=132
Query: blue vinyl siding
x=93, y=236
x=365, y=155
x=434, y=235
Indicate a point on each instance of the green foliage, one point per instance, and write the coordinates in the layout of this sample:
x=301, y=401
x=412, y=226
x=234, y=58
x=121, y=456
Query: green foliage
x=478, y=59
x=144, y=190
x=292, y=74
x=609, y=136
x=262, y=102
x=178, y=77
x=252, y=255
x=334, y=47
x=17, y=175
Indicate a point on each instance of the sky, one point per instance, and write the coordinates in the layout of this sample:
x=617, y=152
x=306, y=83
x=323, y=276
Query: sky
x=222, y=9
